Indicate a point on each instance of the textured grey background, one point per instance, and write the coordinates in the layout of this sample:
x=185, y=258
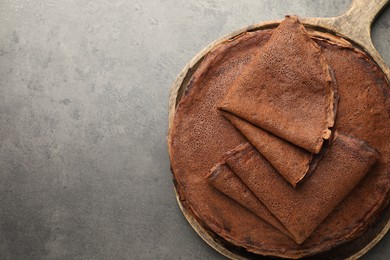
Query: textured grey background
x=84, y=170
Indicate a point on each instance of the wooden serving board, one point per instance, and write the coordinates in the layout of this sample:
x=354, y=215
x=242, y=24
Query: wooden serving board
x=354, y=26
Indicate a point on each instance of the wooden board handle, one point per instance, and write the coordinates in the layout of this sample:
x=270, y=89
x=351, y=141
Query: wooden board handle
x=355, y=24
x=358, y=19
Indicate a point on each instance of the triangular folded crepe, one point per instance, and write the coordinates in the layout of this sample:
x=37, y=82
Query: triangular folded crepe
x=287, y=89
x=302, y=210
x=224, y=180
x=291, y=161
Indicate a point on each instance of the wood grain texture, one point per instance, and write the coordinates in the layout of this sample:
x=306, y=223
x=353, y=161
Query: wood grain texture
x=355, y=26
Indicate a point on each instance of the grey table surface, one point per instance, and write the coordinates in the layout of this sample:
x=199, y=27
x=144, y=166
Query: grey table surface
x=84, y=169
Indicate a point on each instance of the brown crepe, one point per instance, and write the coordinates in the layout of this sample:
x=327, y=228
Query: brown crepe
x=301, y=210
x=224, y=180
x=287, y=89
x=291, y=161
x=200, y=136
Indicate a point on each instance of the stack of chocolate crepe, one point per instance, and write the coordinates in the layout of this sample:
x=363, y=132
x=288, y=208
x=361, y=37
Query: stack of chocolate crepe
x=295, y=167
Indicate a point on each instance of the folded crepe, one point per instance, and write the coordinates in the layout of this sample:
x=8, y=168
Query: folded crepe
x=291, y=161
x=302, y=210
x=224, y=180
x=287, y=89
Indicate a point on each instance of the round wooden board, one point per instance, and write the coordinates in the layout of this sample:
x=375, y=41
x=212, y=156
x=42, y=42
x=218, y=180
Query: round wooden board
x=351, y=250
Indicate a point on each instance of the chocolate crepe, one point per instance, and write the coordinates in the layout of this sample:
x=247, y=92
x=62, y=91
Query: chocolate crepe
x=200, y=136
x=287, y=89
x=291, y=161
x=224, y=180
x=301, y=210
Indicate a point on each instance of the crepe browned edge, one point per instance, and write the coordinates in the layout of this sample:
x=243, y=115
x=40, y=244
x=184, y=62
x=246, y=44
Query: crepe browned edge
x=302, y=210
x=270, y=95
x=224, y=180
x=291, y=161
